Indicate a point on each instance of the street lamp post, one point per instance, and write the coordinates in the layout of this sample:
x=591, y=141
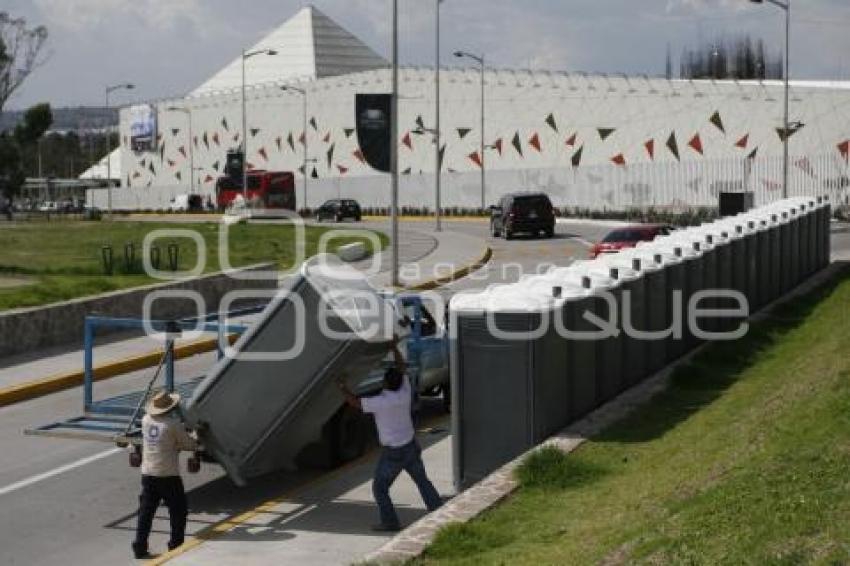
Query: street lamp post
x=191, y=147
x=245, y=56
x=303, y=94
x=394, y=150
x=110, y=90
x=437, y=165
x=480, y=60
x=786, y=6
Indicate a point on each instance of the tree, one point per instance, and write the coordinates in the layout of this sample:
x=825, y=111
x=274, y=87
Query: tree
x=37, y=120
x=741, y=61
x=19, y=50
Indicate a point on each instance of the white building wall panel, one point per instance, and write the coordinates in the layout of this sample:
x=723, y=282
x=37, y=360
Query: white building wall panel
x=589, y=141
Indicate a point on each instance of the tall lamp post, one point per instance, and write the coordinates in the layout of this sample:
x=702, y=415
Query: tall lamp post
x=437, y=165
x=396, y=280
x=245, y=56
x=786, y=6
x=480, y=60
x=303, y=94
x=188, y=114
x=109, y=91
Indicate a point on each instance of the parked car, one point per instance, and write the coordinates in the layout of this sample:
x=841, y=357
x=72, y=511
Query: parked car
x=531, y=213
x=48, y=206
x=628, y=237
x=338, y=210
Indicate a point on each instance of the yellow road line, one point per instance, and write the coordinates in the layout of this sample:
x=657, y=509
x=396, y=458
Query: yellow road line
x=230, y=523
x=52, y=384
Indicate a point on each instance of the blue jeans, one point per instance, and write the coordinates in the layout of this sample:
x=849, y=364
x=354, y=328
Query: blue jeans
x=390, y=465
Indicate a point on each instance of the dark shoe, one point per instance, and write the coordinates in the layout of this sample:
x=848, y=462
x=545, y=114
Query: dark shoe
x=140, y=554
x=382, y=528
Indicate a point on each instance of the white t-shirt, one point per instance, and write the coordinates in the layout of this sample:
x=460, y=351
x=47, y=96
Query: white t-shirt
x=392, y=415
x=163, y=438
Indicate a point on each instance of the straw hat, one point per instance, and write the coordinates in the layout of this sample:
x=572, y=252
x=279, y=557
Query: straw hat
x=162, y=402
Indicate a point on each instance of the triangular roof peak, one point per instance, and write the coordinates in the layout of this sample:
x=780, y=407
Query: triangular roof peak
x=309, y=46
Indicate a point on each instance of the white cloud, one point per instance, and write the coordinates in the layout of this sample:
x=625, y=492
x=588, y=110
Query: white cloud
x=705, y=6
x=81, y=15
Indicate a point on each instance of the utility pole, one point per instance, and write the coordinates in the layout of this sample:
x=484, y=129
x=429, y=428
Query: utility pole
x=394, y=151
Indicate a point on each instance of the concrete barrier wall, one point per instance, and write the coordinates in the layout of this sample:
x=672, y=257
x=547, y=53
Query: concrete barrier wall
x=60, y=324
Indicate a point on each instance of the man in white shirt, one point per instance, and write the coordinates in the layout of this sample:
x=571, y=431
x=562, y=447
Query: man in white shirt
x=401, y=451
x=164, y=436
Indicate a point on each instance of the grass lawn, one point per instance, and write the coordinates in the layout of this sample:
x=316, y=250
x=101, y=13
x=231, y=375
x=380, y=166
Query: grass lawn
x=62, y=260
x=744, y=460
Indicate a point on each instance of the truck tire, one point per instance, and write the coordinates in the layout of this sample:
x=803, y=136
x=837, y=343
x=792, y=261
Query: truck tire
x=350, y=433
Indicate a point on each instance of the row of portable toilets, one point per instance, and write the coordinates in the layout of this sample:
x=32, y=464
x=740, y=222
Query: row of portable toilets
x=522, y=372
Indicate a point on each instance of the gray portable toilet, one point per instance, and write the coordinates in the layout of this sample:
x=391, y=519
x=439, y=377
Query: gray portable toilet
x=770, y=264
x=805, y=237
x=657, y=312
x=672, y=261
x=812, y=242
x=786, y=275
x=498, y=384
x=610, y=352
x=794, y=216
x=632, y=295
x=694, y=280
x=577, y=298
x=719, y=232
x=826, y=237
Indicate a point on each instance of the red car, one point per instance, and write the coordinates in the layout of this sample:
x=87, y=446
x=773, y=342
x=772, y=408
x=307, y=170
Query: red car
x=628, y=237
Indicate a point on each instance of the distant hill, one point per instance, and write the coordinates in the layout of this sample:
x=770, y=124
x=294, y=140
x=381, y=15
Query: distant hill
x=64, y=119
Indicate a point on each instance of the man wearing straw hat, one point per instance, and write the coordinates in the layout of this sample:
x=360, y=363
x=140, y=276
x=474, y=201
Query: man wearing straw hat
x=164, y=436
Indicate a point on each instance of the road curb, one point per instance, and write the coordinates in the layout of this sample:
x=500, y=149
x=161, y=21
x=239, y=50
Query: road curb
x=454, y=276
x=55, y=383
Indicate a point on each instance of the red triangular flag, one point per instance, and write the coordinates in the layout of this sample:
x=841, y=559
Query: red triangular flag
x=208, y=179
x=182, y=150
x=498, y=145
x=619, y=159
x=263, y=154
x=407, y=141
x=743, y=142
x=650, y=148
x=342, y=170
x=535, y=142
x=844, y=148
x=359, y=155
x=327, y=138
x=215, y=138
x=303, y=138
x=475, y=158
x=571, y=141
x=696, y=144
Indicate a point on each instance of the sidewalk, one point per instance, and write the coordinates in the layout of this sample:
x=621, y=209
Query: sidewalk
x=328, y=522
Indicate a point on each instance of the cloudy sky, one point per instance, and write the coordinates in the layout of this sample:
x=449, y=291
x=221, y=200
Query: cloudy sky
x=168, y=47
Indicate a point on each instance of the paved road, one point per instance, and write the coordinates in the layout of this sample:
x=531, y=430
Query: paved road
x=67, y=502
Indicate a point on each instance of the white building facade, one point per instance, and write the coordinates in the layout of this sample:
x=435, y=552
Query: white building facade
x=597, y=142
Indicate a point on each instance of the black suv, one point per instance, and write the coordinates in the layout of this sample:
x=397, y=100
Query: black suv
x=338, y=210
x=530, y=213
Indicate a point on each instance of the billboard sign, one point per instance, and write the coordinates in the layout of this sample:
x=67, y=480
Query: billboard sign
x=143, y=127
x=374, y=129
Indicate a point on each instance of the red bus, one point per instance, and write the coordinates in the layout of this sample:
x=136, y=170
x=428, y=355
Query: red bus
x=269, y=189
